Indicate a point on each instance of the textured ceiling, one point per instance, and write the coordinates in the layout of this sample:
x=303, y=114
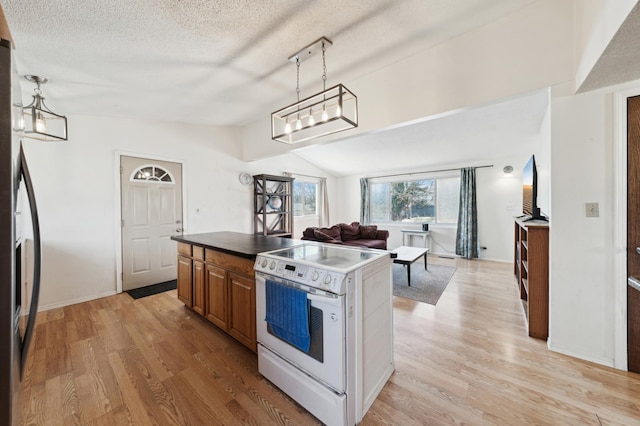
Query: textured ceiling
x=219, y=62
x=620, y=61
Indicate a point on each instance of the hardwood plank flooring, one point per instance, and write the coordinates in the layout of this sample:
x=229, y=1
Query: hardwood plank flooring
x=468, y=360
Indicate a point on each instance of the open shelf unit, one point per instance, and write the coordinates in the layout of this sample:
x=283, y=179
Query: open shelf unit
x=531, y=268
x=273, y=205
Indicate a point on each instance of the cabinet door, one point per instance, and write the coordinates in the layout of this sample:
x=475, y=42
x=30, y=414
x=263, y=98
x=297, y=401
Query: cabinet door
x=198, y=286
x=184, y=280
x=217, y=296
x=242, y=321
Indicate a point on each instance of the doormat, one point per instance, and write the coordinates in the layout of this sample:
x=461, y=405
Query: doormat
x=426, y=286
x=149, y=290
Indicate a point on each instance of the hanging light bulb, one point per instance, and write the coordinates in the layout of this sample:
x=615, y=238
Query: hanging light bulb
x=298, y=123
x=338, y=111
x=41, y=126
x=312, y=121
x=325, y=114
x=287, y=127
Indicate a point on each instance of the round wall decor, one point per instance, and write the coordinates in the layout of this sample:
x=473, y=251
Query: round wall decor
x=245, y=178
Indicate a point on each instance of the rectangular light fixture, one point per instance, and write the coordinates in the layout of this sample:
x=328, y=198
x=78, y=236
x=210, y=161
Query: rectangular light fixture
x=330, y=111
x=39, y=121
x=327, y=112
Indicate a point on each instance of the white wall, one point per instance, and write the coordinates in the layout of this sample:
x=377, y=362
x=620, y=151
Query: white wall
x=75, y=184
x=581, y=284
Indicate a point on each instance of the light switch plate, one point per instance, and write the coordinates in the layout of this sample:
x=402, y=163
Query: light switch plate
x=592, y=209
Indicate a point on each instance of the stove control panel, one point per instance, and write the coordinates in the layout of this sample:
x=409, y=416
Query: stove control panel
x=304, y=274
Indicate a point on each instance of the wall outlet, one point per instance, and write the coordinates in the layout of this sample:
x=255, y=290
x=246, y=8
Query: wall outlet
x=592, y=209
x=509, y=206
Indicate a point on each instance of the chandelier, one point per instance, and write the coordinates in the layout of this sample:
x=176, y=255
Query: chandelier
x=330, y=111
x=39, y=121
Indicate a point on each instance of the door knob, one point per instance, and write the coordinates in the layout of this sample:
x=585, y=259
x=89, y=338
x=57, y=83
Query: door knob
x=638, y=250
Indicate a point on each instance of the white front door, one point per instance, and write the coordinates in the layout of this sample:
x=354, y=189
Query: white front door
x=151, y=192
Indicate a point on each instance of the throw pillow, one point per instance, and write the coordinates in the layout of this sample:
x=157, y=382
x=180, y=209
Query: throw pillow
x=309, y=232
x=350, y=232
x=328, y=234
x=369, y=232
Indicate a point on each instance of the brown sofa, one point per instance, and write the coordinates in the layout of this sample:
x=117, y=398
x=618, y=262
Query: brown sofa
x=352, y=234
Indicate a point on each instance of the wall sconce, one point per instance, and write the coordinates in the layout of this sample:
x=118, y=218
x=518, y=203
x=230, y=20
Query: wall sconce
x=39, y=121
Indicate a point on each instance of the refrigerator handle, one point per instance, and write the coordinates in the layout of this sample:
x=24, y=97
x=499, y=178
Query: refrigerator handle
x=37, y=260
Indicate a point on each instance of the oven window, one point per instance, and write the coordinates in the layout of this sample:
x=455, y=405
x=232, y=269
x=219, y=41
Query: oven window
x=316, y=350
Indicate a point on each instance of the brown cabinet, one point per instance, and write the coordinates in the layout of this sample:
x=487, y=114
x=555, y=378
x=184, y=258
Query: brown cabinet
x=242, y=303
x=198, y=277
x=185, y=288
x=221, y=288
x=217, y=300
x=198, y=286
x=531, y=267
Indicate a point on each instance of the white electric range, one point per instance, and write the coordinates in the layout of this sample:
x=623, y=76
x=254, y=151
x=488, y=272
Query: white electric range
x=343, y=296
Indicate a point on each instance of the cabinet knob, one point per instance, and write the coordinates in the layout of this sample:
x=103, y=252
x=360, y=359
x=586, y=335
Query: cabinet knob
x=179, y=230
x=638, y=250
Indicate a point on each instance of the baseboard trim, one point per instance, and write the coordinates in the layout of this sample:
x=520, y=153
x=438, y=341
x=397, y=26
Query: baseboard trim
x=602, y=361
x=56, y=305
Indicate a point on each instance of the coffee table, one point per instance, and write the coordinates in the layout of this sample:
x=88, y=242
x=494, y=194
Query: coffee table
x=407, y=255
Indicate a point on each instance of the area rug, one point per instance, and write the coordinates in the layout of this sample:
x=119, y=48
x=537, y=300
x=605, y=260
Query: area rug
x=426, y=286
x=149, y=290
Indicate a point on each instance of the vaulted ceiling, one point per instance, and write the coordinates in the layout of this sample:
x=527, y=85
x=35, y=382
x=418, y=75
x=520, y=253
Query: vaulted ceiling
x=219, y=62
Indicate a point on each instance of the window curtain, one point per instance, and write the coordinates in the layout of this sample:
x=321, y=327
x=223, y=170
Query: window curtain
x=324, y=197
x=365, y=212
x=467, y=244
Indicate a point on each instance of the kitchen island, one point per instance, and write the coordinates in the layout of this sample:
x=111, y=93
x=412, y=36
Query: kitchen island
x=216, y=278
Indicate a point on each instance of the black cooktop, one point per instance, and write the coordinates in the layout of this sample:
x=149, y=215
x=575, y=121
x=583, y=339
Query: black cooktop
x=237, y=243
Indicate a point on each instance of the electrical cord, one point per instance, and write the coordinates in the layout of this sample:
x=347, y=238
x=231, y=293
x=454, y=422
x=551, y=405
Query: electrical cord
x=441, y=246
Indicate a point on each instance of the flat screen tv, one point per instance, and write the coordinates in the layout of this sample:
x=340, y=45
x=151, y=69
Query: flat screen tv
x=530, y=191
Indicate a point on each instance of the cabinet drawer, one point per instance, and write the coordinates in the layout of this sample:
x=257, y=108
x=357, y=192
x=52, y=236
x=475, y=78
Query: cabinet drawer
x=184, y=249
x=198, y=253
x=230, y=263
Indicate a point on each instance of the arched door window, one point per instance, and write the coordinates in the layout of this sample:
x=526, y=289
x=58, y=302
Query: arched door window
x=151, y=173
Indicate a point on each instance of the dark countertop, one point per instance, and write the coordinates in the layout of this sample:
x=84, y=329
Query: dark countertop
x=236, y=243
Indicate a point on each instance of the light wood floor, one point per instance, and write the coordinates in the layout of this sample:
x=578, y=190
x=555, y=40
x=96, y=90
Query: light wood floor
x=468, y=360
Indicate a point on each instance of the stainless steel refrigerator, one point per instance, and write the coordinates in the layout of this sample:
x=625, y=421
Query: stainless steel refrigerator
x=19, y=234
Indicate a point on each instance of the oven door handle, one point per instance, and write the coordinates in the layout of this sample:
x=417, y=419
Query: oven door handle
x=328, y=300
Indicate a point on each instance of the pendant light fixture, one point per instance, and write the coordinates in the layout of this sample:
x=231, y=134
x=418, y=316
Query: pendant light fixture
x=330, y=111
x=39, y=121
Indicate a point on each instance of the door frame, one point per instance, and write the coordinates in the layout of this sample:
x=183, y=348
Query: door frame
x=620, y=225
x=118, y=203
